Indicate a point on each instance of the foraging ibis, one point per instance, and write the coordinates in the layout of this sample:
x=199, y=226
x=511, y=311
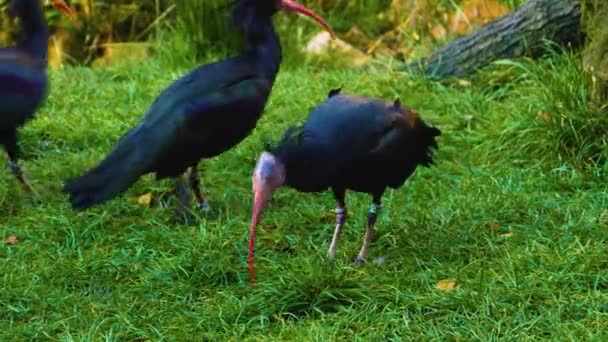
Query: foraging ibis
x=349, y=142
x=23, y=77
x=201, y=115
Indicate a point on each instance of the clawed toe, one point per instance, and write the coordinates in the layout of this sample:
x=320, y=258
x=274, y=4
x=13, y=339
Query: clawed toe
x=205, y=209
x=359, y=261
x=203, y=205
x=35, y=197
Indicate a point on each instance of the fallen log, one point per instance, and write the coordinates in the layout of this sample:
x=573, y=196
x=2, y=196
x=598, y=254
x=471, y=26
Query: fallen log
x=523, y=32
x=595, y=54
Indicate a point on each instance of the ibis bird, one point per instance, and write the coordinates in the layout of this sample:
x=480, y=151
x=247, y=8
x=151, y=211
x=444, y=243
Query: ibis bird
x=201, y=115
x=23, y=77
x=348, y=142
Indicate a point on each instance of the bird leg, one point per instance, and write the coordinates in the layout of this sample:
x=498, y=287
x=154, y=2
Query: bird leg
x=195, y=184
x=16, y=170
x=341, y=213
x=372, y=216
x=12, y=149
x=183, y=199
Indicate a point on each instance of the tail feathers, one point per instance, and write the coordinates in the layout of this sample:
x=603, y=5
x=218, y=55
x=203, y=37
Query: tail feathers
x=334, y=92
x=112, y=176
x=427, y=138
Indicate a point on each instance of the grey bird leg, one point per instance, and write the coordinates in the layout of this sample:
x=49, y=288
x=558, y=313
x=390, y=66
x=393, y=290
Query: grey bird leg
x=195, y=184
x=372, y=216
x=183, y=198
x=13, y=150
x=341, y=213
x=16, y=170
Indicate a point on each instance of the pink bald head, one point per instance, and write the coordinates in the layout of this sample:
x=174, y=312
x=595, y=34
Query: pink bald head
x=268, y=175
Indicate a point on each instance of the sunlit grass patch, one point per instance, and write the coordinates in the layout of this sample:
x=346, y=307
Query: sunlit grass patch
x=514, y=213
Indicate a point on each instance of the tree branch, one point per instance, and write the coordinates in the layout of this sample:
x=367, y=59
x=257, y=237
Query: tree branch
x=519, y=33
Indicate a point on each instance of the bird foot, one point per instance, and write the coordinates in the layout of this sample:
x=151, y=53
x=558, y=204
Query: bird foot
x=330, y=261
x=13, y=167
x=203, y=205
x=183, y=216
x=359, y=261
x=330, y=264
x=205, y=209
x=35, y=197
x=16, y=170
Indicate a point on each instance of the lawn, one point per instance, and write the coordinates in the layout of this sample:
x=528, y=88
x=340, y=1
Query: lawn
x=504, y=238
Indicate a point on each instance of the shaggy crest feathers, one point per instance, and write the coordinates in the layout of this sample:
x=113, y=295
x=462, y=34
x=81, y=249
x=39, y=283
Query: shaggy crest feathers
x=334, y=92
x=427, y=137
x=292, y=135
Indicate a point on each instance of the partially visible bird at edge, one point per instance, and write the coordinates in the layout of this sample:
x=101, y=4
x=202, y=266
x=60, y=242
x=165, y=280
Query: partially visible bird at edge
x=349, y=142
x=201, y=115
x=24, y=83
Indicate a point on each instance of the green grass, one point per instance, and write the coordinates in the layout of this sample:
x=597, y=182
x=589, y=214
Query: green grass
x=123, y=272
x=206, y=26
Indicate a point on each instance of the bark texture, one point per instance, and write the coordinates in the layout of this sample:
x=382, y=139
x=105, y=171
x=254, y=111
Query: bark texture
x=521, y=32
x=595, y=54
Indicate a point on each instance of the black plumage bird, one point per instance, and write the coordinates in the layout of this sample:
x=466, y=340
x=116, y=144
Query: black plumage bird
x=348, y=142
x=201, y=115
x=23, y=79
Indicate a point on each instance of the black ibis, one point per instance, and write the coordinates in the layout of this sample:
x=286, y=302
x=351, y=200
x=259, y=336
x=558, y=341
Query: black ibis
x=201, y=115
x=349, y=142
x=23, y=78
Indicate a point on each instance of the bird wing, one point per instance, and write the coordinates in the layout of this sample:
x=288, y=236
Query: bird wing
x=346, y=135
x=14, y=56
x=350, y=126
x=23, y=86
x=397, y=126
x=192, y=110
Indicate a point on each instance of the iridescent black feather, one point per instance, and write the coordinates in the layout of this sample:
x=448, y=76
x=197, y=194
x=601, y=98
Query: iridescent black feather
x=201, y=115
x=355, y=142
x=23, y=77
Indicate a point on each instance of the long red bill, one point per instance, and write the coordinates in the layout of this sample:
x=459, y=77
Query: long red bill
x=296, y=7
x=62, y=7
x=251, y=253
x=258, y=206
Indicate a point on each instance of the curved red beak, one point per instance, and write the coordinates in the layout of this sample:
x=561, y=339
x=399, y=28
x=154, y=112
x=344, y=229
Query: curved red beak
x=63, y=8
x=291, y=5
x=259, y=200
